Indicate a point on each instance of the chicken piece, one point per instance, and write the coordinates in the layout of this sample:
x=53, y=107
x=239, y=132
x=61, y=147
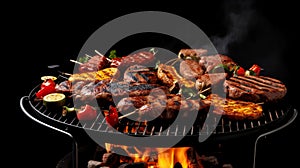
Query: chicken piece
x=169, y=77
x=94, y=76
x=234, y=109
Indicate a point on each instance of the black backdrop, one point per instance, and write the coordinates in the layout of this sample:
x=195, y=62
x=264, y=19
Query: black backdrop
x=260, y=32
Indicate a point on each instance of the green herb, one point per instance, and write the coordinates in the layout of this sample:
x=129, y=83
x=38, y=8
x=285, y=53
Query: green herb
x=83, y=59
x=220, y=67
x=153, y=51
x=187, y=92
x=157, y=64
x=112, y=54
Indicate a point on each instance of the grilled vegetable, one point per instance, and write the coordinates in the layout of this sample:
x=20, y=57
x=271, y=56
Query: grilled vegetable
x=239, y=71
x=54, y=100
x=47, y=87
x=256, y=69
x=93, y=76
x=86, y=112
x=112, y=117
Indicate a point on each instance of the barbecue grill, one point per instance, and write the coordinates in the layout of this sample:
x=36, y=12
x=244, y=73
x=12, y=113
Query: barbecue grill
x=275, y=117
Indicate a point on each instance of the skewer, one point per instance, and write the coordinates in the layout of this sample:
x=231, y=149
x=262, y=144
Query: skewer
x=99, y=53
x=65, y=73
x=77, y=62
x=88, y=55
x=205, y=90
x=172, y=61
x=128, y=114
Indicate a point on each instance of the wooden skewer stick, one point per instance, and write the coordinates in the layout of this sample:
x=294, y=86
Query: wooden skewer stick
x=128, y=114
x=88, y=55
x=77, y=62
x=99, y=53
x=65, y=73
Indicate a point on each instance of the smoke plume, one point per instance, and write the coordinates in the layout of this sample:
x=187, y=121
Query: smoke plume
x=238, y=19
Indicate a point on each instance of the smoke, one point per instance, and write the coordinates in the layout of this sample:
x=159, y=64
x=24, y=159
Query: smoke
x=238, y=19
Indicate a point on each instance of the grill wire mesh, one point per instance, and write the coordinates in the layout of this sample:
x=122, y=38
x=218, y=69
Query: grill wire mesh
x=271, y=115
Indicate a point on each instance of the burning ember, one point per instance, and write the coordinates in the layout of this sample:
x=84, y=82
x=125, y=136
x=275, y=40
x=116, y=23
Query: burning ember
x=119, y=156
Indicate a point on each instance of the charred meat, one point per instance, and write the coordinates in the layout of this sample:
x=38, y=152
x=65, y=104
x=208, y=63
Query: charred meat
x=168, y=75
x=211, y=61
x=140, y=74
x=255, y=88
x=95, y=63
x=160, y=106
x=190, y=69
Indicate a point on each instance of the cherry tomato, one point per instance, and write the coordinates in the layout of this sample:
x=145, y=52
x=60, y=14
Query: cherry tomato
x=112, y=117
x=86, y=112
x=240, y=71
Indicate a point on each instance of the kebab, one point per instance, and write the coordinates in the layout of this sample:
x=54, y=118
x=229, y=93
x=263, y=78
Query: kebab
x=163, y=106
x=99, y=61
x=133, y=91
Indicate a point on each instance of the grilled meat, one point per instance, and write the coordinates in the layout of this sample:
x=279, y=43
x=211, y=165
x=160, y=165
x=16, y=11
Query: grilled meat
x=191, y=53
x=168, y=76
x=190, y=69
x=140, y=74
x=131, y=103
x=140, y=58
x=234, y=109
x=255, y=88
x=113, y=92
x=159, y=106
x=211, y=61
x=95, y=63
x=213, y=80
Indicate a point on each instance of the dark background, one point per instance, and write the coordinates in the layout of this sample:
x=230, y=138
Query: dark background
x=46, y=34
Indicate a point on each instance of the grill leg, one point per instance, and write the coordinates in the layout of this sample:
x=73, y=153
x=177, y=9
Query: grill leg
x=295, y=113
x=75, y=154
x=75, y=150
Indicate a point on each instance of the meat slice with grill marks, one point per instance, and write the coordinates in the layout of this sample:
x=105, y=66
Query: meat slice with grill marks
x=255, y=88
x=163, y=106
x=140, y=74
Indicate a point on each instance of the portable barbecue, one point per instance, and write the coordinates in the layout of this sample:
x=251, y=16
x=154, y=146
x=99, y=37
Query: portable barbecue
x=274, y=118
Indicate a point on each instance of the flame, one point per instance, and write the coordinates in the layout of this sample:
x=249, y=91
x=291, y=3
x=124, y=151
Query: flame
x=155, y=157
x=170, y=157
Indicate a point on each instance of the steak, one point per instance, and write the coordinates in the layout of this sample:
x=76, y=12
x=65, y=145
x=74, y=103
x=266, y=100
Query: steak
x=254, y=88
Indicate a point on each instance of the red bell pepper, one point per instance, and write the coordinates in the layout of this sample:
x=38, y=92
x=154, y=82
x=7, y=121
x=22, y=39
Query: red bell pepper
x=256, y=69
x=112, y=117
x=47, y=87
